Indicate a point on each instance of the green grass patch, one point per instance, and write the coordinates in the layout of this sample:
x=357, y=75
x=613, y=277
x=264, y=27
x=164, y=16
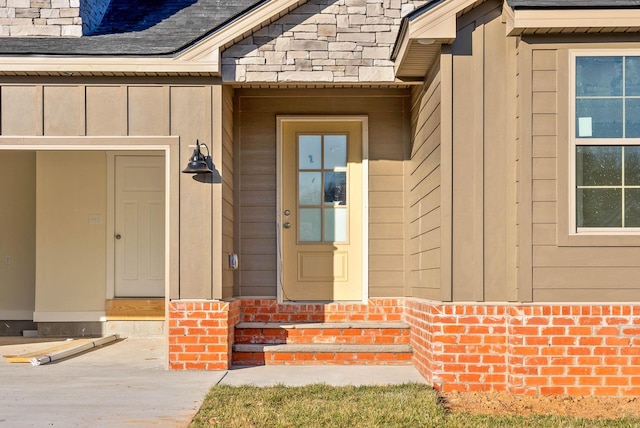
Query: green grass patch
x=408, y=405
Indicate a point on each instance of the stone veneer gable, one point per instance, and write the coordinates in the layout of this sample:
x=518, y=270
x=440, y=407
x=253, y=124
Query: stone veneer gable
x=40, y=18
x=343, y=41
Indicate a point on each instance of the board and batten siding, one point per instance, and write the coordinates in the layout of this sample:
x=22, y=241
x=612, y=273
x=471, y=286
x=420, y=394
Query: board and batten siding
x=133, y=107
x=424, y=193
x=564, y=269
x=483, y=152
x=388, y=113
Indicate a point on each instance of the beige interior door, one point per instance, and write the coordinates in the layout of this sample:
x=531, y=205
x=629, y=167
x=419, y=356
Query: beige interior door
x=321, y=219
x=139, y=226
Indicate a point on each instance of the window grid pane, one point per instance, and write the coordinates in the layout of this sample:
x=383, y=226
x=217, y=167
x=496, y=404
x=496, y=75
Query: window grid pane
x=322, y=169
x=607, y=204
x=607, y=170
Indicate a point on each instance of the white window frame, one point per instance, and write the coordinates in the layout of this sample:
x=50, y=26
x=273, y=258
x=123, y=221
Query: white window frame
x=574, y=142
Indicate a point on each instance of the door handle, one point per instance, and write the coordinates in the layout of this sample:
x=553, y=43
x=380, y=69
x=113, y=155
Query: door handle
x=287, y=225
x=118, y=236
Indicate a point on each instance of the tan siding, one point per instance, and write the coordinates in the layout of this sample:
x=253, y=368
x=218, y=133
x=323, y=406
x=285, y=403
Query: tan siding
x=149, y=110
x=256, y=178
x=21, y=109
x=64, y=110
x=191, y=112
x=106, y=110
x=228, y=230
x=562, y=271
x=423, y=188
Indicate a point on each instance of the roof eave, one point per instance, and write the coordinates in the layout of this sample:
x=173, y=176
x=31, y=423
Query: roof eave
x=577, y=20
x=422, y=36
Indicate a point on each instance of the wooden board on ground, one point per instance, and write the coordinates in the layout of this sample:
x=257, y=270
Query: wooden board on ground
x=26, y=358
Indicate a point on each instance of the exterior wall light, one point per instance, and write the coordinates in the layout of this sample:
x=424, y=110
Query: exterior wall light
x=198, y=162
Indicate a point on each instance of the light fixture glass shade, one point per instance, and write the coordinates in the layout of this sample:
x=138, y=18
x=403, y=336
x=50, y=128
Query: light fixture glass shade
x=198, y=162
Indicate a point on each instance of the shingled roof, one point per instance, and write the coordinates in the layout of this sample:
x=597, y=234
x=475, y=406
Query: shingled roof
x=157, y=28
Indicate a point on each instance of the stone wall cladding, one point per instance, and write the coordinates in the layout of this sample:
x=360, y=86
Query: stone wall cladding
x=40, y=18
x=343, y=41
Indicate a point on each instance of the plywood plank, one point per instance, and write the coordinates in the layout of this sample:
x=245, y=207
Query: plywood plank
x=26, y=358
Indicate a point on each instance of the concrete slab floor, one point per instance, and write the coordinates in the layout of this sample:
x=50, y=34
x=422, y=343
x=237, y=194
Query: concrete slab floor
x=125, y=384
x=121, y=384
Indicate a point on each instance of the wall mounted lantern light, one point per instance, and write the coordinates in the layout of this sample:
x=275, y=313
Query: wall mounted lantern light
x=198, y=162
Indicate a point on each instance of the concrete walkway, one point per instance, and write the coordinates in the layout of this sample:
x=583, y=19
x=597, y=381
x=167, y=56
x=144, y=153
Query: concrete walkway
x=126, y=384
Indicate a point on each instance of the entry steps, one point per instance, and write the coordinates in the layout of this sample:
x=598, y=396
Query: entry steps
x=355, y=343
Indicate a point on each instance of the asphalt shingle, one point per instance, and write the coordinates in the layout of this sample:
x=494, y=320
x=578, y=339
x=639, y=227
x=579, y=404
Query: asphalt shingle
x=152, y=27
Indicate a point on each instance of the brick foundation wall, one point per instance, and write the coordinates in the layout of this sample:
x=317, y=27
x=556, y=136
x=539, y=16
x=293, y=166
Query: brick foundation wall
x=527, y=349
x=550, y=349
x=201, y=334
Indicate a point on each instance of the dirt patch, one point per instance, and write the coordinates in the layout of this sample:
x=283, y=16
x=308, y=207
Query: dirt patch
x=504, y=403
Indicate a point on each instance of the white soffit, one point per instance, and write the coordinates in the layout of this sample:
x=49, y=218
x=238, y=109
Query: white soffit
x=425, y=34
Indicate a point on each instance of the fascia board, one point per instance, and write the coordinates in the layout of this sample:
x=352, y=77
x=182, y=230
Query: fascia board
x=438, y=24
x=550, y=19
x=102, y=65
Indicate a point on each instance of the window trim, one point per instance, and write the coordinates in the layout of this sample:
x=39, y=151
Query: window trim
x=573, y=143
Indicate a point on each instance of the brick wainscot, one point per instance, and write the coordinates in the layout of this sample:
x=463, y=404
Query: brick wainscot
x=527, y=349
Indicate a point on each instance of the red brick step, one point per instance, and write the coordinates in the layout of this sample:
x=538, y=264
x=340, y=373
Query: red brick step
x=308, y=354
x=259, y=343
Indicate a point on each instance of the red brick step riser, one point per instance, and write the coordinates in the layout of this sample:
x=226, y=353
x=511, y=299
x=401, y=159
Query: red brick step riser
x=354, y=336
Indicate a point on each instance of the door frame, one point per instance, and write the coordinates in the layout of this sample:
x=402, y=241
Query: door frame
x=364, y=122
x=111, y=218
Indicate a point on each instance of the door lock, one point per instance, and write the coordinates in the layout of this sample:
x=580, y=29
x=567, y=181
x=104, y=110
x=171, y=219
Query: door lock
x=118, y=236
x=287, y=225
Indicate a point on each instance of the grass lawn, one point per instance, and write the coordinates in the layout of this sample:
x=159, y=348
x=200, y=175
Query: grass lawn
x=409, y=405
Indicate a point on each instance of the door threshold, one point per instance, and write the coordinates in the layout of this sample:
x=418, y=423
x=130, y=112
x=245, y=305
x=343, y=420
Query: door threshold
x=135, y=309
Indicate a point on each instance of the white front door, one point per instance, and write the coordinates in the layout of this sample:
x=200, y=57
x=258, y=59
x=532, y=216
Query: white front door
x=139, y=226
